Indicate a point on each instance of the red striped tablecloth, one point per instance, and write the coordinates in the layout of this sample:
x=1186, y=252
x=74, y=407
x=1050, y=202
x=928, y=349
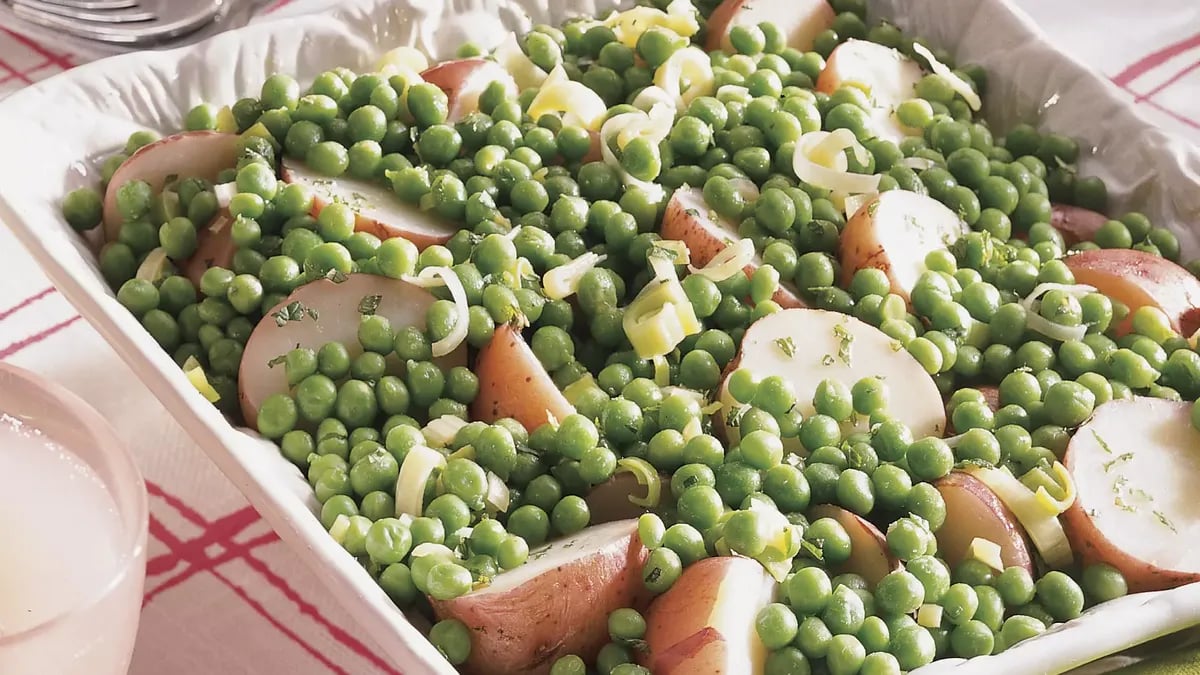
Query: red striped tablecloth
x=223, y=594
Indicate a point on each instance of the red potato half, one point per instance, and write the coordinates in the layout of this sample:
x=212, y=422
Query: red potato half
x=889, y=77
x=894, y=232
x=1137, y=278
x=464, y=80
x=1136, y=467
x=991, y=396
x=556, y=604
x=800, y=21
x=869, y=554
x=829, y=345
x=974, y=511
x=337, y=318
x=1075, y=222
x=214, y=248
x=513, y=383
x=609, y=501
x=690, y=220
x=705, y=622
x=377, y=209
x=192, y=154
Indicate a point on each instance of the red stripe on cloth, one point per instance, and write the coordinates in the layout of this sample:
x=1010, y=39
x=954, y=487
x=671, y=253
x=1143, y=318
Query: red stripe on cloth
x=36, y=337
x=221, y=530
x=194, y=554
x=278, y=5
x=228, y=555
x=311, y=610
x=1154, y=60
x=4, y=314
x=160, y=532
x=176, y=503
x=1174, y=78
x=56, y=58
x=1150, y=103
x=262, y=611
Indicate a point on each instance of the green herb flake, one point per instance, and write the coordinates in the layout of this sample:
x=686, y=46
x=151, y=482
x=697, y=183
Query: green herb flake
x=1162, y=518
x=1123, y=457
x=293, y=311
x=1103, y=444
x=815, y=550
x=369, y=304
x=786, y=345
x=827, y=360
x=845, y=338
x=277, y=360
x=336, y=276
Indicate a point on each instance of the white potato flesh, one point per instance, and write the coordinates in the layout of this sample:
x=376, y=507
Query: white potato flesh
x=800, y=21
x=705, y=622
x=336, y=306
x=192, y=154
x=829, y=345
x=464, y=80
x=1136, y=466
x=889, y=78
x=555, y=604
x=689, y=219
x=894, y=232
x=378, y=209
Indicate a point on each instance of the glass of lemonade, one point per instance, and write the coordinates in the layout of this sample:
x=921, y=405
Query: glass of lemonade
x=73, y=521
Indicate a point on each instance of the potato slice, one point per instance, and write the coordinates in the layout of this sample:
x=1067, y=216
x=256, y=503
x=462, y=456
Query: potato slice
x=974, y=511
x=705, y=622
x=214, y=248
x=889, y=78
x=336, y=309
x=609, y=500
x=1136, y=467
x=801, y=21
x=513, y=383
x=377, y=209
x=556, y=604
x=192, y=154
x=870, y=557
x=894, y=232
x=1137, y=278
x=1075, y=222
x=464, y=80
x=690, y=220
x=806, y=346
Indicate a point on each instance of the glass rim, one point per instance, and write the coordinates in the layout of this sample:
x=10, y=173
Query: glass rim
x=133, y=541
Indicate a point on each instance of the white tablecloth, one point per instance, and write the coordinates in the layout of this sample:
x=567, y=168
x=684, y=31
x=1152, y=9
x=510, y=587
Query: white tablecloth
x=223, y=594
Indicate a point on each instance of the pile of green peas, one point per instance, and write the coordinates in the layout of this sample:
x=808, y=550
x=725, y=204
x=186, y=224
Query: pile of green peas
x=526, y=200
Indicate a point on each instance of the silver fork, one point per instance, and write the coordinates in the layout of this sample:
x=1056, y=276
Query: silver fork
x=127, y=22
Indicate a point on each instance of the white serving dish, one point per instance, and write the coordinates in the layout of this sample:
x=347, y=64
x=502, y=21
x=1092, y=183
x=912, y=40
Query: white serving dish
x=53, y=130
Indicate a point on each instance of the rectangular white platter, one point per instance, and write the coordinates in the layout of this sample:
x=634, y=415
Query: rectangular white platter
x=53, y=129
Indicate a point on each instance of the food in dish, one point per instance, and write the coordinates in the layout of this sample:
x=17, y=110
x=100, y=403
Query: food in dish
x=608, y=352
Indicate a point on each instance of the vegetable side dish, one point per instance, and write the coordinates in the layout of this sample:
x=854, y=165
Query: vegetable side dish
x=696, y=338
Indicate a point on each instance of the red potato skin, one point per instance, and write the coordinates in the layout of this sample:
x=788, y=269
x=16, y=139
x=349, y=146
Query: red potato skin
x=214, y=248
x=220, y=151
x=991, y=395
x=719, y=24
x=673, y=643
x=422, y=240
x=1015, y=549
x=858, y=248
x=609, y=501
x=450, y=77
x=513, y=383
x=1075, y=222
x=870, y=557
x=1137, y=278
x=524, y=631
x=679, y=225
